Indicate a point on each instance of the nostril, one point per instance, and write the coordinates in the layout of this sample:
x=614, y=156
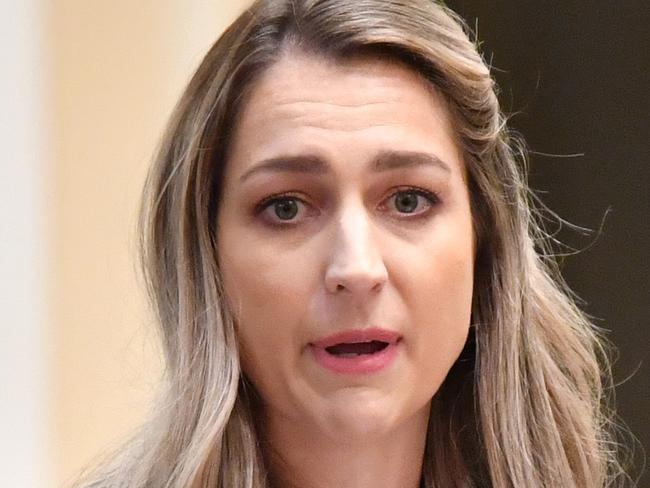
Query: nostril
x=356, y=283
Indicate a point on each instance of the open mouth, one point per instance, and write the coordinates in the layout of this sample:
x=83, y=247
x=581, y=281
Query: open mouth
x=350, y=350
x=362, y=357
x=357, y=351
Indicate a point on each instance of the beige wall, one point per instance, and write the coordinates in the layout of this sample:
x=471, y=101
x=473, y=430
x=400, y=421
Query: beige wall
x=116, y=67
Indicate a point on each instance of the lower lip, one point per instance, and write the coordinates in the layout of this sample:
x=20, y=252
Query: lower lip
x=361, y=364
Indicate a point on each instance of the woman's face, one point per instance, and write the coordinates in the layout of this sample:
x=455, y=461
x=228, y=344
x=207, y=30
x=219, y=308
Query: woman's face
x=345, y=210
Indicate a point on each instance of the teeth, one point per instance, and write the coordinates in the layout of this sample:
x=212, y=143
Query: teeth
x=349, y=355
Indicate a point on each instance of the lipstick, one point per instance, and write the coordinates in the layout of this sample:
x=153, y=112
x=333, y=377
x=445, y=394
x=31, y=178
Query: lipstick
x=358, y=351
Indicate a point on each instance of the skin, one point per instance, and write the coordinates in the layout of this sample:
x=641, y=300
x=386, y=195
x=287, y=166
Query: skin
x=347, y=255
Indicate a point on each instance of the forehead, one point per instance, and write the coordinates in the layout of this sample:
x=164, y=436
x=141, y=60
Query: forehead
x=298, y=79
x=306, y=103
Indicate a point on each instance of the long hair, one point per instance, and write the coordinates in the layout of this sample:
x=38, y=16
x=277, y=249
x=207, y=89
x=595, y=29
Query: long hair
x=525, y=403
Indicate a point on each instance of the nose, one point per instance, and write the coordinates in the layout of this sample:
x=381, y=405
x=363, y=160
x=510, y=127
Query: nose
x=356, y=265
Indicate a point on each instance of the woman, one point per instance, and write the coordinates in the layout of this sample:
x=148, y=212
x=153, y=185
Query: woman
x=352, y=286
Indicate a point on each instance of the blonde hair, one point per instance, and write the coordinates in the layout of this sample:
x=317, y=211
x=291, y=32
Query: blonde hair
x=524, y=405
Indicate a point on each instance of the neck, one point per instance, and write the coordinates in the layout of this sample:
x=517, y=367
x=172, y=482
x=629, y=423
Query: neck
x=304, y=458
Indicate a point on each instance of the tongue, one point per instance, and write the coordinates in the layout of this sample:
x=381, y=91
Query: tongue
x=354, y=349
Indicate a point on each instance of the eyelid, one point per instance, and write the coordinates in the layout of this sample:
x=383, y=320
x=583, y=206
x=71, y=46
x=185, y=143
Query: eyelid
x=267, y=201
x=432, y=198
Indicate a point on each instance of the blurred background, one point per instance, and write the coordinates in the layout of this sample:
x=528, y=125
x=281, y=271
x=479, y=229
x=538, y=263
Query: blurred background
x=575, y=75
x=86, y=88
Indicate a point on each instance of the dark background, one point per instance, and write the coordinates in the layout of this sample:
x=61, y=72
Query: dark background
x=577, y=75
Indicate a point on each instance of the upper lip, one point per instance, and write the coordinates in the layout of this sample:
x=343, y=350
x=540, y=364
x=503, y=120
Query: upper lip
x=358, y=335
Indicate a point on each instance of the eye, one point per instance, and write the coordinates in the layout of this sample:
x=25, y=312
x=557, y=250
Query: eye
x=281, y=209
x=286, y=209
x=408, y=200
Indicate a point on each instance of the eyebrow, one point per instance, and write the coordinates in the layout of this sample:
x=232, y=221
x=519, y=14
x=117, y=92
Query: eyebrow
x=383, y=161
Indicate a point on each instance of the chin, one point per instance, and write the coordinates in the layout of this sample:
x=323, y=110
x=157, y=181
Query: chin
x=360, y=414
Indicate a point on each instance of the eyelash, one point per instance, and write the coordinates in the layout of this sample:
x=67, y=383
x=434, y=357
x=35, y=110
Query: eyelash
x=432, y=199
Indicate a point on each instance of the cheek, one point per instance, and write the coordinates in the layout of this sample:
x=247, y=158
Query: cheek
x=266, y=292
x=441, y=306
x=446, y=307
